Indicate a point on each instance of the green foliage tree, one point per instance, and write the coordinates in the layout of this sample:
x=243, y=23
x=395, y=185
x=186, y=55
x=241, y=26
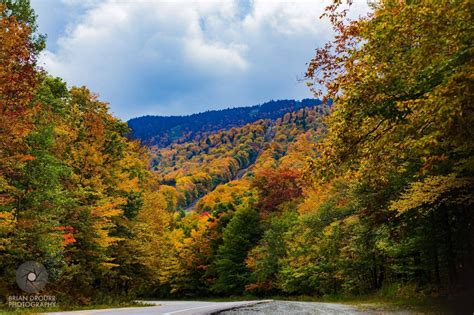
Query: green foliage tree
x=240, y=235
x=265, y=260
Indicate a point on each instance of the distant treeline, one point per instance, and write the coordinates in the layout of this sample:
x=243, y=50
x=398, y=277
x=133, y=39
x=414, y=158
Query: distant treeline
x=164, y=130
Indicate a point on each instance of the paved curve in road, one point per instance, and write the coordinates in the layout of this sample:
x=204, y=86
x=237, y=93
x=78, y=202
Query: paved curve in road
x=168, y=308
x=262, y=307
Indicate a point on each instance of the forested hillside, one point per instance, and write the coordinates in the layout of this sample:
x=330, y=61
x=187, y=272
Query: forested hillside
x=374, y=194
x=164, y=130
x=196, y=168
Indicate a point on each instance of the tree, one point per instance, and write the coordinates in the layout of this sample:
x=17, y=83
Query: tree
x=399, y=125
x=240, y=235
x=22, y=11
x=265, y=260
x=18, y=81
x=276, y=186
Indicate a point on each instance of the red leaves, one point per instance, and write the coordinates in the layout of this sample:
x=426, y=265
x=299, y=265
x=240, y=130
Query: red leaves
x=276, y=186
x=68, y=234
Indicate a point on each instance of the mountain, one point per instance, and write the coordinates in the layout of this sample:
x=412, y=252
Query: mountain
x=164, y=130
x=196, y=168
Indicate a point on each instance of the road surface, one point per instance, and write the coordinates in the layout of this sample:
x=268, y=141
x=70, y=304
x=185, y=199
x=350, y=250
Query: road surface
x=304, y=308
x=168, y=308
x=262, y=307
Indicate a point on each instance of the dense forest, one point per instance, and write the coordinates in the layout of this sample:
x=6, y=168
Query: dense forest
x=164, y=130
x=372, y=193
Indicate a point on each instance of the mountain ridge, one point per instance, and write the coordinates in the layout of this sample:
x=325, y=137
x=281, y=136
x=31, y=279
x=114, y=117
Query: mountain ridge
x=164, y=130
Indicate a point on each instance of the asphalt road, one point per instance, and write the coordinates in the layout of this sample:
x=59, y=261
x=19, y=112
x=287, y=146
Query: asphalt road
x=263, y=307
x=168, y=308
x=304, y=308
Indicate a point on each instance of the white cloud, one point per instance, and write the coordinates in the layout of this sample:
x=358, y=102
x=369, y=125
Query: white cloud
x=175, y=57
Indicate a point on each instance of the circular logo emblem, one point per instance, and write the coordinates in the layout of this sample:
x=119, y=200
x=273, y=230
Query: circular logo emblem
x=31, y=277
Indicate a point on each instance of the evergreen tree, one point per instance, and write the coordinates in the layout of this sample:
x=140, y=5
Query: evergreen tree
x=239, y=237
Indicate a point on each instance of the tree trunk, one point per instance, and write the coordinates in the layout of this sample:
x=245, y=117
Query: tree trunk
x=450, y=254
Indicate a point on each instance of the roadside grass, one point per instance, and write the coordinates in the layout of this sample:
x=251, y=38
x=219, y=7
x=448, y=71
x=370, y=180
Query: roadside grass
x=376, y=302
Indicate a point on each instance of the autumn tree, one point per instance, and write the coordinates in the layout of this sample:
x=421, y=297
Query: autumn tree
x=276, y=186
x=18, y=81
x=400, y=125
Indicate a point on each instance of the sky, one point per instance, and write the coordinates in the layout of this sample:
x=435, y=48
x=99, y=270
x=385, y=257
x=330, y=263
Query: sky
x=175, y=57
